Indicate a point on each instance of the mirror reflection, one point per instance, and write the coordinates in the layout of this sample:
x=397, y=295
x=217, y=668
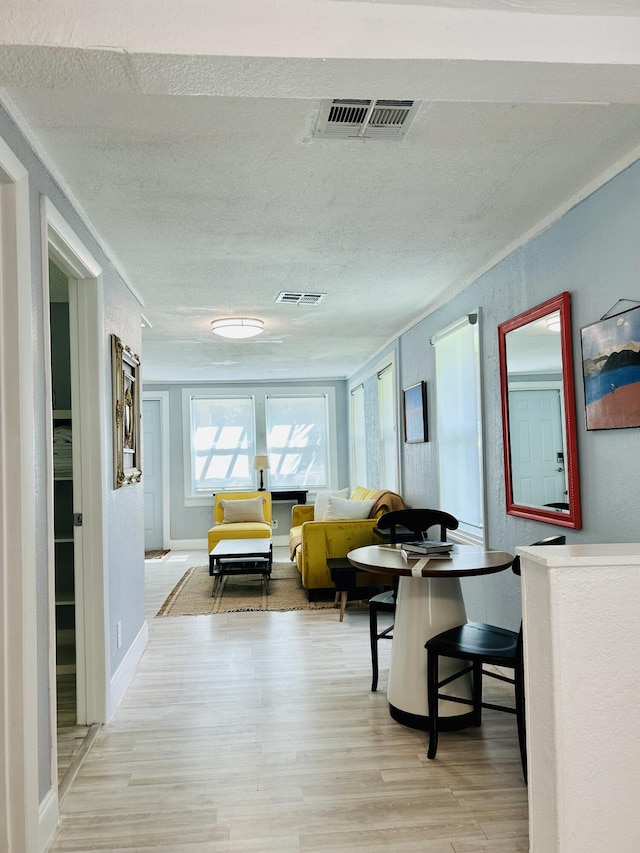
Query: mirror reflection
x=538, y=413
x=536, y=416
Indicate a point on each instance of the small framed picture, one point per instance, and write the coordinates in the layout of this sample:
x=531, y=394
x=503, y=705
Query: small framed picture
x=414, y=410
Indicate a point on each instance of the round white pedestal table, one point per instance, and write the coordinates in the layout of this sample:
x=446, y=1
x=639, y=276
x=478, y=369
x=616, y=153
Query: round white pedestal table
x=429, y=600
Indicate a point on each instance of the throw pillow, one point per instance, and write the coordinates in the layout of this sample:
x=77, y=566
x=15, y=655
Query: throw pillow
x=322, y=502
x=344, y=508
x=251, y=509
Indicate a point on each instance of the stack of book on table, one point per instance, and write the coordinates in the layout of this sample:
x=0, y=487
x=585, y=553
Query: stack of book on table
x=426, y=547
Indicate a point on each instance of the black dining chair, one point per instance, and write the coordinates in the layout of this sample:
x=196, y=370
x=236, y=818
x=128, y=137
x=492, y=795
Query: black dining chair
x=417, y=522
x=480, y=644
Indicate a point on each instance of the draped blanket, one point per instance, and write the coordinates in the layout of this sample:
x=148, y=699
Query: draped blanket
x=384, y=501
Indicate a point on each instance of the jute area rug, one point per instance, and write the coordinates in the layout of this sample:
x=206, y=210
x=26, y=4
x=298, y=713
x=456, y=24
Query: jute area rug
x=191, y=596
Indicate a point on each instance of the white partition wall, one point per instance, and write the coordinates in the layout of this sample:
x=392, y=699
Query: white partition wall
x=582, y=679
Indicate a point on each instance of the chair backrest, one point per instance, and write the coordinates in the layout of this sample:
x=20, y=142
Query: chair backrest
x=550, y=540
x=418, y=521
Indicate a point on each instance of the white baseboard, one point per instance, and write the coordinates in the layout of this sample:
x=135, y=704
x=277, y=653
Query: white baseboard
x=122, y=677
x=48, y=819
x=188, y=544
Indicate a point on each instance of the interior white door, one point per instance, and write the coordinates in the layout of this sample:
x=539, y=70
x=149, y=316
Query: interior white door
x=537, y=460
x=152, y=473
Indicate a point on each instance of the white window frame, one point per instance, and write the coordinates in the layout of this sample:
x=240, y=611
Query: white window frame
x=259, y=394
x=192, y=498
x=388, y=427
x=330, y=443
x=387, y=362
x=469, y=531
x=358, y=436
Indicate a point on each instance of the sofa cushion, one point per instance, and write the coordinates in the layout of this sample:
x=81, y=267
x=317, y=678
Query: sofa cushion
x=322, y=502
x=362, y=494
x=243, y=510
x=345, y=508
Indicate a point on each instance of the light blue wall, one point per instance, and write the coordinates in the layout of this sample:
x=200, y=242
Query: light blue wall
x=124, y=508
x=594, y=253
x=188, y=523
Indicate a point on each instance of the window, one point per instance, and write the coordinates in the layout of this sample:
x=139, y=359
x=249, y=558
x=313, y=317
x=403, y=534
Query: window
x=387, y=429
x=297, y=442
x=223, y=430
x=373, y=427
x=459, y=419
x=358, y=438
x=222, y=443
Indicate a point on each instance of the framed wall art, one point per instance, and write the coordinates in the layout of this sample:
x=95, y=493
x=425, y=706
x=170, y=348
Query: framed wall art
x=611, y=370
x=414, y=410
x=126, y=414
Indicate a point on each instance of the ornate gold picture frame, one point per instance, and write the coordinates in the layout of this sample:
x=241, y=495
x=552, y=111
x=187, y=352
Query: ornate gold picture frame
x=126, y=414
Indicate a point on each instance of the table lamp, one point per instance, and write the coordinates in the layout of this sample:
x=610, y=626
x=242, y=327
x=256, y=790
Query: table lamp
x=261, y=463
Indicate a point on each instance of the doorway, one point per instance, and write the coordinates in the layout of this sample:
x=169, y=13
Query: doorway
x=155, y=464
x=152, y=467
x=20, y=708
x=537, y=457
x=66, y=560
x=76, y=393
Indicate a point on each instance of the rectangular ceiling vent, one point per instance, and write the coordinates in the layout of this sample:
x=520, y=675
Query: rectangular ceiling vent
x=354, y=119
x=298, y=298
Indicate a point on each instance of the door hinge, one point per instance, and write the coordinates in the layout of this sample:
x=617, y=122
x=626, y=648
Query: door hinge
x=77, y=519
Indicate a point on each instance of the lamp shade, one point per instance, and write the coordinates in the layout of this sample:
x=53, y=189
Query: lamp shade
x=261, y=463
x=237, y=327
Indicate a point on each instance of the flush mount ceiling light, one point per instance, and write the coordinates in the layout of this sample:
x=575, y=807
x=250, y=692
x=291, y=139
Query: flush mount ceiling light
x=237, y=327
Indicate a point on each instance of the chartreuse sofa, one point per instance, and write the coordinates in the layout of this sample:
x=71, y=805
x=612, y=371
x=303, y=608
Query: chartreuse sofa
x=240, y=515
x=313, y=541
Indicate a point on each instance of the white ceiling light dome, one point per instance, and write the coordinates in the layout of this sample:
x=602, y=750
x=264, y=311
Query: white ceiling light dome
x=237, y=327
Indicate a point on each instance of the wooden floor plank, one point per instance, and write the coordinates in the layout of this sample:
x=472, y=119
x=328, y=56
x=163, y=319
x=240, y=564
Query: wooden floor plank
x=258, y=732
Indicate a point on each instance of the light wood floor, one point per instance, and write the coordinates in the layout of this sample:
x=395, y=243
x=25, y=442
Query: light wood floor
x=258, y=732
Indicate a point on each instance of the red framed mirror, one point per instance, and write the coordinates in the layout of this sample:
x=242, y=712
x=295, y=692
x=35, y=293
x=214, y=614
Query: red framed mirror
x=538, y=414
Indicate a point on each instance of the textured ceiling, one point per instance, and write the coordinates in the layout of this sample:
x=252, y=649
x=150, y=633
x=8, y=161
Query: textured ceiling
x=212, y=198
x=549, y=7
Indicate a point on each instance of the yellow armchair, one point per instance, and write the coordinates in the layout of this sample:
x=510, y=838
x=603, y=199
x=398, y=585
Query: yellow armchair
x=313, y=542
x=252, y=528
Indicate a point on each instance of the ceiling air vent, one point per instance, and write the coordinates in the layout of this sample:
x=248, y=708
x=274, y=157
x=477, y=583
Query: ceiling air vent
x=296, y=298
x=353, y=119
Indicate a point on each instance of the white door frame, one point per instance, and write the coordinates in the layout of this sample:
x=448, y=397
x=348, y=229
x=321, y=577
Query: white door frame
x=89, y=425
x=163, y=398
x=18, y=622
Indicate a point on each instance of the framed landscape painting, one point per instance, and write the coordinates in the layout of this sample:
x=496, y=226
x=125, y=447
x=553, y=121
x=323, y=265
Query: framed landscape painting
x=611, y=370
x=414, y=406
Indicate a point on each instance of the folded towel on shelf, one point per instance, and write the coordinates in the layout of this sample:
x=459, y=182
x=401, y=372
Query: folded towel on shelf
x=62, y=451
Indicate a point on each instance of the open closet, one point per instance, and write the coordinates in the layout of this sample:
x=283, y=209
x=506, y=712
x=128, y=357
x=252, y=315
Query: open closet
x=69, y=734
